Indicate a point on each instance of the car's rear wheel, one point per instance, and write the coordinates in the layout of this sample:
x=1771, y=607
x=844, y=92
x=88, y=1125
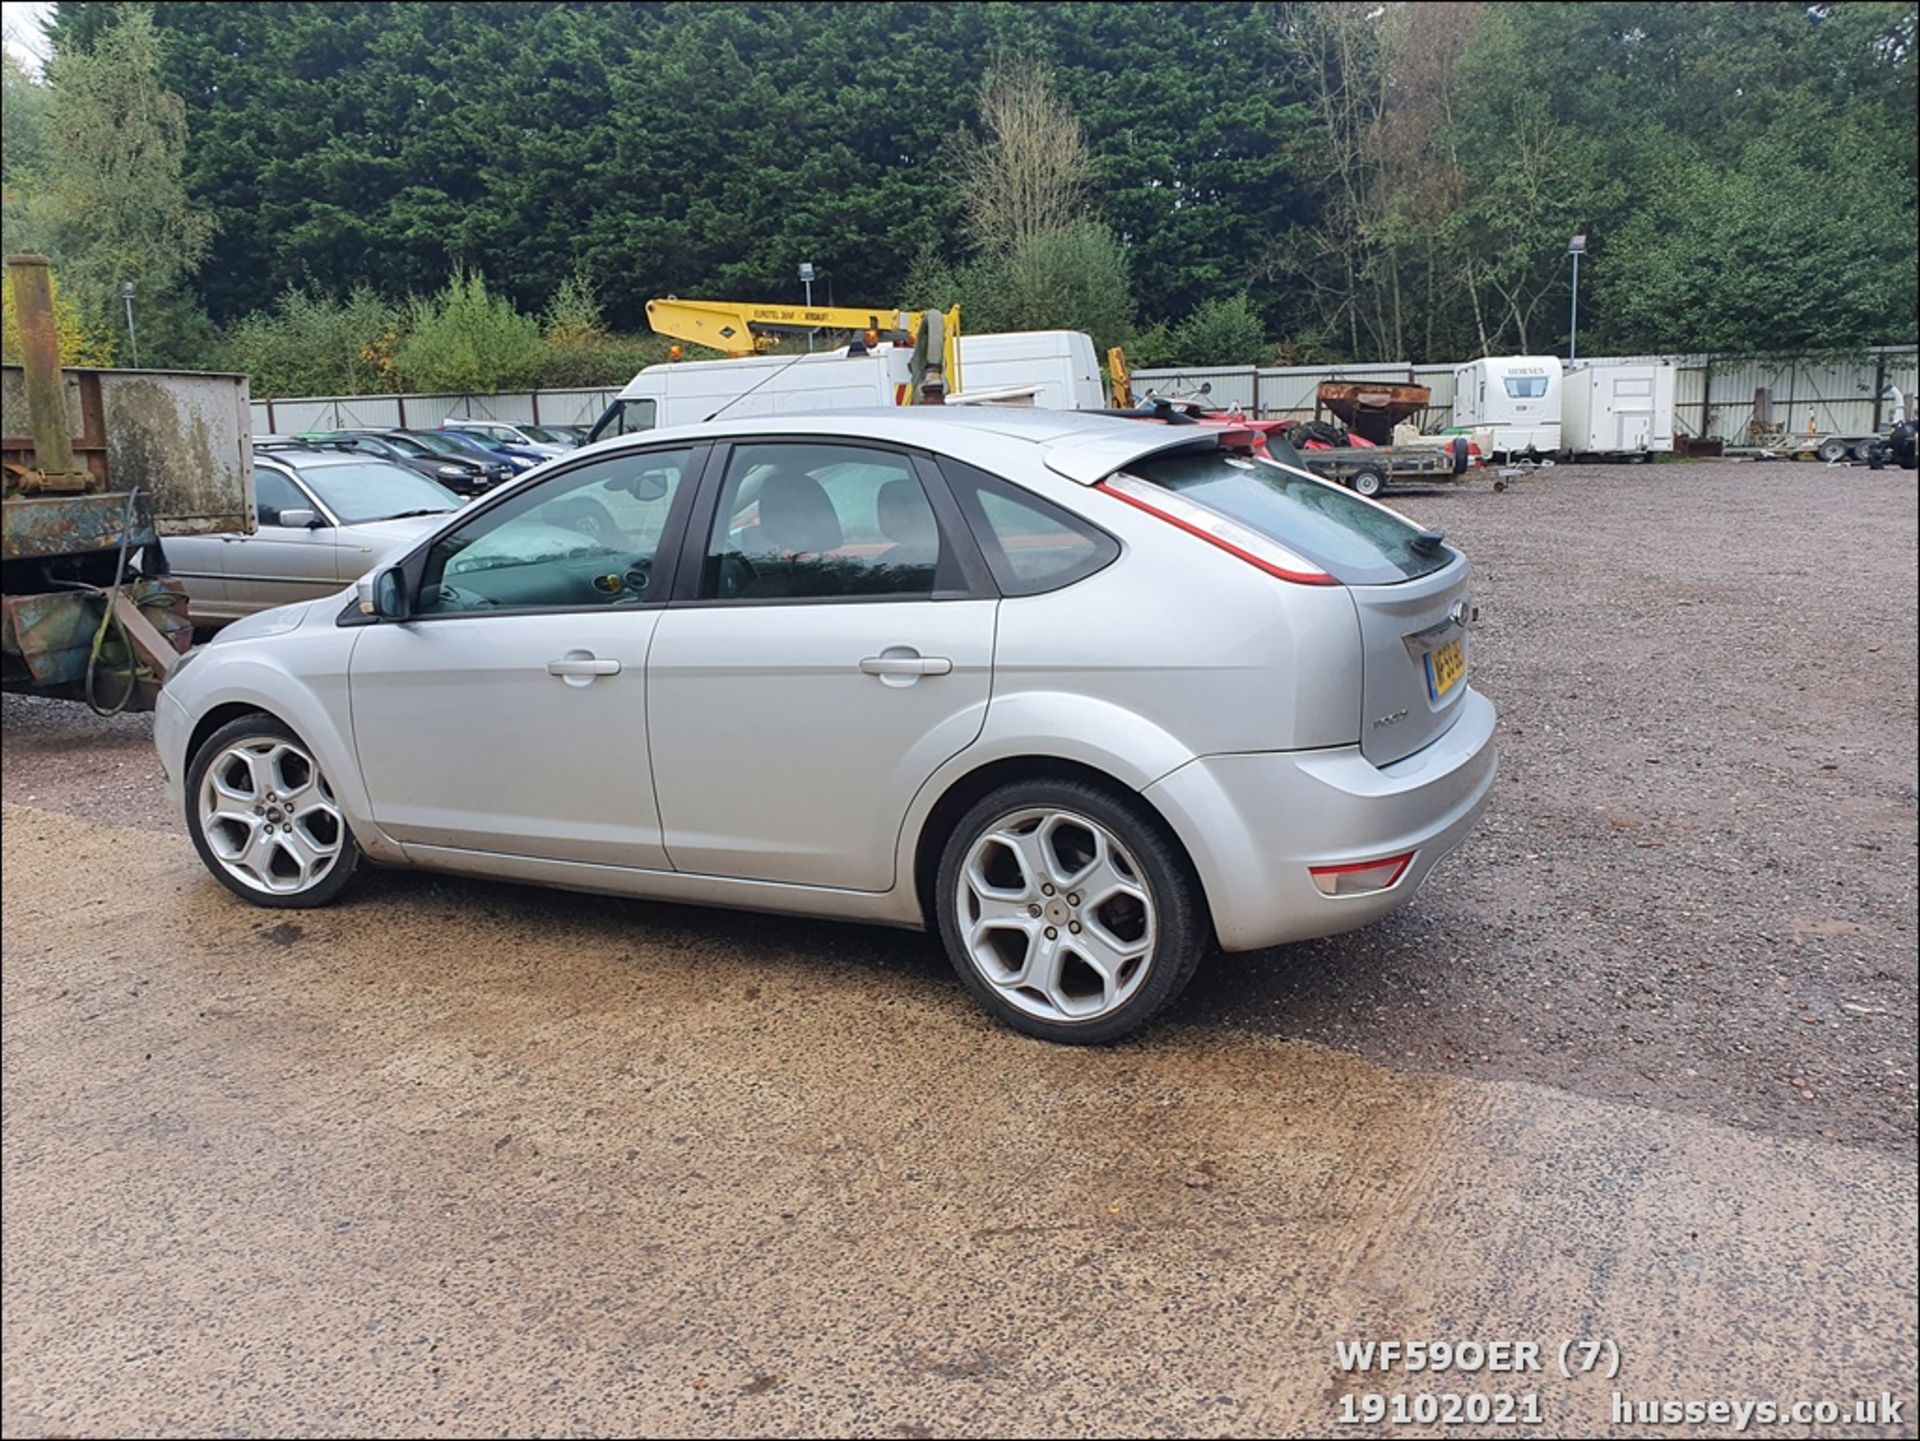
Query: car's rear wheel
x=1067, y=912
x=264, y=819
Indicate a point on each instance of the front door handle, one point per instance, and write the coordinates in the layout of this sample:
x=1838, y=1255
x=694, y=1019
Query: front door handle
x=905, y=661
x=579, y=667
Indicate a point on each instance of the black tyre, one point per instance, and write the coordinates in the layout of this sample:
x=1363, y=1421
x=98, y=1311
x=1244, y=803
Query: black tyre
x=1368, y=482
x=263, y=817
x=1068, y=912
x=1832, y=449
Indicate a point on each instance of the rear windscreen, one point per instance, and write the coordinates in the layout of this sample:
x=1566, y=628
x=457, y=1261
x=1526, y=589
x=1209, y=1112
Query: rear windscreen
x=1353, y=540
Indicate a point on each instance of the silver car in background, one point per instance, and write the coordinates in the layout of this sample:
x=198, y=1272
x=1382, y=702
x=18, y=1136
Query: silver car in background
x=1085, y=695
x=323, y=515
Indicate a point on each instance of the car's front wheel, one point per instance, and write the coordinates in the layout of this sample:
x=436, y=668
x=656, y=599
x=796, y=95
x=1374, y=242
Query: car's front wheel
x=1067, y=912
x=264, y=819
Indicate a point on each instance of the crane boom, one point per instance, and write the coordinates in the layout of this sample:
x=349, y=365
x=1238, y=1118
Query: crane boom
x=742, y=328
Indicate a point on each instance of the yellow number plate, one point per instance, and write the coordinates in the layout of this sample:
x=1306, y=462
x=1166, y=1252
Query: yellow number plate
x=1445, y=666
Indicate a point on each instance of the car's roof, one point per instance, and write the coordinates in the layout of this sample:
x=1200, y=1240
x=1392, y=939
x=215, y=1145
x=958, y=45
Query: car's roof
x=321, y=454
x=1080, y=445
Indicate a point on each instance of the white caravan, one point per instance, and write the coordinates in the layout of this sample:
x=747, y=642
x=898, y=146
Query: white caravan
x=1517, y=397
x=1050, y=368
x=1617, y=409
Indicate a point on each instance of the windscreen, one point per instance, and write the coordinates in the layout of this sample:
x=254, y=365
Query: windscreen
x=1355, y=541
x=377, y=491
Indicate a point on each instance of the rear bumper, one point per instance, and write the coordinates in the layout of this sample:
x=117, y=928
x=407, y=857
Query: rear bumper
x=1255, y=822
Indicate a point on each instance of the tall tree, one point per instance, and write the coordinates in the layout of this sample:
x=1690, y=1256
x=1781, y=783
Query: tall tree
x=1027, y=175
x=110, y=188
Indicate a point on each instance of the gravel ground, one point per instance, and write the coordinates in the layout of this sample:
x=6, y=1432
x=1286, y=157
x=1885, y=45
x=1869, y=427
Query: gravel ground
x=1695, y=887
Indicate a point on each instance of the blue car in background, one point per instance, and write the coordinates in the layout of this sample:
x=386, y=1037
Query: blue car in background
x=509, y=439
x=467, y=443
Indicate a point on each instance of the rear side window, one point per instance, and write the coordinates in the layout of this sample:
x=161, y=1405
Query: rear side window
x=1353, y=540
x=1031, y=545
x=823, y=522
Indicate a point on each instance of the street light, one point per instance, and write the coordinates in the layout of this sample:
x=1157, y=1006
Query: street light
x=133, y=341
x=1576, y=247
x=806, y=279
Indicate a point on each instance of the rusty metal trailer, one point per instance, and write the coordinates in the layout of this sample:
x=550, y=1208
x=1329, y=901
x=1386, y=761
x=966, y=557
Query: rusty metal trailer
x=100, y=466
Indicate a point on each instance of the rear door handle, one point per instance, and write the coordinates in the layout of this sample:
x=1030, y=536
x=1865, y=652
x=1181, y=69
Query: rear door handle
x=579, y=667
x=907, y=665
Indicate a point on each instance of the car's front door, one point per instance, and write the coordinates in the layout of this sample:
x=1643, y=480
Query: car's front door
x=508, y=714
x=829, y=655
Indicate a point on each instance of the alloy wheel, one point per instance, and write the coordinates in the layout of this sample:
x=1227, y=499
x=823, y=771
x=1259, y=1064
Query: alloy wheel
x=269, y=817
x=1056, y=915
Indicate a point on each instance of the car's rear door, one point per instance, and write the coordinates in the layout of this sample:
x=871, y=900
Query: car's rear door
x=832, y=646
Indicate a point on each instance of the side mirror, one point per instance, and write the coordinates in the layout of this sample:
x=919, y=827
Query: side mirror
x=300, y=519
x=383, y=593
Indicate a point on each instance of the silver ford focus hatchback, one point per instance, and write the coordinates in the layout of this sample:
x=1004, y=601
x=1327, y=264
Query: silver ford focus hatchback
x=1088, y=696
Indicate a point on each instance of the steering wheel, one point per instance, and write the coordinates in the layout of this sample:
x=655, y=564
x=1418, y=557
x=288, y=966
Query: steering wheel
x=453, y=597
x=737, y=573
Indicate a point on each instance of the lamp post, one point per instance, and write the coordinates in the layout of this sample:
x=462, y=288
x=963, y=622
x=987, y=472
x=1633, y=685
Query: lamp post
x=1576, y=247
x=133, y=341
x=806, y=279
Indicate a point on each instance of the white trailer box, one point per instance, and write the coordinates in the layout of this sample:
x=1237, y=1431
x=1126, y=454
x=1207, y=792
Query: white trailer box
x=1058, y=366
x=1517, y=397
x=1617, y=410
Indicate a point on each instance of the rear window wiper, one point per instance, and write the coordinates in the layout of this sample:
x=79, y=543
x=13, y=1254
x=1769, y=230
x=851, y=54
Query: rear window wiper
x=1427, y=542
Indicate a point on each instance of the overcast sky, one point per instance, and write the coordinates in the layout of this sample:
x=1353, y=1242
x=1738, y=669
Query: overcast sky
x=21, y=20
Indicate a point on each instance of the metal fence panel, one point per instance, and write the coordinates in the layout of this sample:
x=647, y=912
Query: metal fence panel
x=1223, y=385
x=575, y=407
x=425, y=412
x=580, y=406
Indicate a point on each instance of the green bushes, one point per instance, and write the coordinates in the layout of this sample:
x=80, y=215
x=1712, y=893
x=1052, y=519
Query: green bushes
x=1220, y=332
x=466, y=337
x=311, y=344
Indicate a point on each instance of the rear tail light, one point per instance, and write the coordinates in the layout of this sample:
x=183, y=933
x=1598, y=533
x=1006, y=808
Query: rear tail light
x=1216, y=529
x=1357, y=878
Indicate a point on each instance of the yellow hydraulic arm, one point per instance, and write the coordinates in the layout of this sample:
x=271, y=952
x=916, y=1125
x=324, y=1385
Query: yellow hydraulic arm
x=741, y=328
x=1121, y=377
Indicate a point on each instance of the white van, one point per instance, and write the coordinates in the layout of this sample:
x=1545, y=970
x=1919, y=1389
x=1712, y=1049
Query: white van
x=1051, y=368
x=1517, y=397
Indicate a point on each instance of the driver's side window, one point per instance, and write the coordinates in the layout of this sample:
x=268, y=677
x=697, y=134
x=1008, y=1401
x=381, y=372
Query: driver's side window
x=273, y=493
x=581, y=540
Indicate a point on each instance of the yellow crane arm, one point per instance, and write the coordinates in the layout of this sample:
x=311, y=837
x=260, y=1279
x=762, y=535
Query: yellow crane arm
x=1122, y=378
x=740, y=328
